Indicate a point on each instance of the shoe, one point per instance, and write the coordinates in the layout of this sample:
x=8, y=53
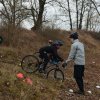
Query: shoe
x=40, y=70
x=80, y=92
x=44, y=72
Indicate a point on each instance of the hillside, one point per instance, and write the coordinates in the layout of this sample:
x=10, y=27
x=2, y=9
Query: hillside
x=28, y=42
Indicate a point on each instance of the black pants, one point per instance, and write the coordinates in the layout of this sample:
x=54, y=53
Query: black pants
x=78, y=75
x=45, y=58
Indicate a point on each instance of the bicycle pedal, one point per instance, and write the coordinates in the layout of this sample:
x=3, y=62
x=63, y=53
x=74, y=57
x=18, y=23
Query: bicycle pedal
x=44, y=72
x=41, y=70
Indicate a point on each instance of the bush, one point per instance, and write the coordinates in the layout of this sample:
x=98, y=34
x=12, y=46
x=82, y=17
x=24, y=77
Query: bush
x=96, y=35
x=53, y=34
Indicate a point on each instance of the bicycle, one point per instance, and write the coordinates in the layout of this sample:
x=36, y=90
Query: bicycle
x=55, y=72
x=32, y=64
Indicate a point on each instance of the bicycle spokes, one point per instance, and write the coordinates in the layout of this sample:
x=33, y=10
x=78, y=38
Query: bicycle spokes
x=29, y=63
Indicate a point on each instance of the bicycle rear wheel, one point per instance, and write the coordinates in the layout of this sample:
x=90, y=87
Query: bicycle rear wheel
x=30, y=63
x=55, y=74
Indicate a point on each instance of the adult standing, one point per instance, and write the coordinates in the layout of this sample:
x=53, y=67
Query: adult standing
x=77, y=54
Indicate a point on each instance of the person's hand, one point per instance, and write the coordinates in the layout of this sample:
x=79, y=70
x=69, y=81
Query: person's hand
x=61, y=60
x=64, y=64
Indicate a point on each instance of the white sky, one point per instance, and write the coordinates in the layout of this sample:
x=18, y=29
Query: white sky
x=51, y=11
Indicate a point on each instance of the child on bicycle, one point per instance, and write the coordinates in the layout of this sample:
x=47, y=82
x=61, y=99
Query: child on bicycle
x=50, y=52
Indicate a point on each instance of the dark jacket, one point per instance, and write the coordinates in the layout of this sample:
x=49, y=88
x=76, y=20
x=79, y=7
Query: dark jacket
x=50, y=50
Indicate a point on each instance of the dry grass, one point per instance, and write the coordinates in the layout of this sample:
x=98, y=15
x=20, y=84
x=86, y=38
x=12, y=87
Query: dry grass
x=27, y=42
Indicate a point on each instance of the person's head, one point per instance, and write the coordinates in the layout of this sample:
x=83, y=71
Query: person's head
x=58, y=44
x=74, y=36
x=50, y=41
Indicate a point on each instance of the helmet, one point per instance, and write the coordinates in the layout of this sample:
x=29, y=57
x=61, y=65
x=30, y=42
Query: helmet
x=58, y=43
x=74, y=35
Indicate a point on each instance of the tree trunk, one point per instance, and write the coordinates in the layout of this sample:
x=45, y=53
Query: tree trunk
x=88, y=17
x=70, y=16
x=38, y=23
x=81, y=15
x=13, y=13
x=77, y=14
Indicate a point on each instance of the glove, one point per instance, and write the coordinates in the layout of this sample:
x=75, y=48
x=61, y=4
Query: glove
x=61, y=60
x=64, y=65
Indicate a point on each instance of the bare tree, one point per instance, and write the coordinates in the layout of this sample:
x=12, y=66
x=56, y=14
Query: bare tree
x=80, y=10
x=69, y=11
x=92, y=19
x=95, y=6
x=12, y=12
x=36, y=11
x=84, y=8
x=77, y=13
x=66, y=11
x=89, y=14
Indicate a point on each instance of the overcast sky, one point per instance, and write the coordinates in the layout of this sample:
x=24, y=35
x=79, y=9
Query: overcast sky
x=52, y=13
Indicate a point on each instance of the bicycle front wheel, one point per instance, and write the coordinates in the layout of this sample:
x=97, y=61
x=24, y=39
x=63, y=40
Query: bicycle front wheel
x=30, y=63
x=55, y=74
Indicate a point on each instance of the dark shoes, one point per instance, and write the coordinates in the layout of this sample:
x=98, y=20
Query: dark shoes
x=80, y=92
x=42, y=71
